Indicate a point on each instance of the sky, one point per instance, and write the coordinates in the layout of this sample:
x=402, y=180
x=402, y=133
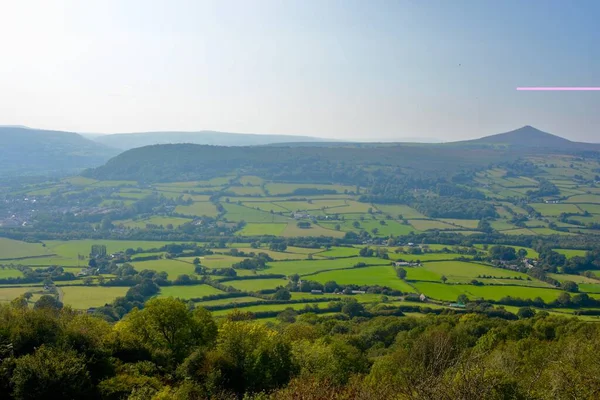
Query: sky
x=354, y=70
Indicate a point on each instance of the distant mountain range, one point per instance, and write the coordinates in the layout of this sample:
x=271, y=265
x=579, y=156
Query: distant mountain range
x=33, y=151
x=41, y=152
x=126, y=141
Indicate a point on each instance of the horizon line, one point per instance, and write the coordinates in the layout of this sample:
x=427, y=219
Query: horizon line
x=560, y=88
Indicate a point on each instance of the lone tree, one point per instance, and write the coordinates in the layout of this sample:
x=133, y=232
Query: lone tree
x=443, y=279
x=401, y=272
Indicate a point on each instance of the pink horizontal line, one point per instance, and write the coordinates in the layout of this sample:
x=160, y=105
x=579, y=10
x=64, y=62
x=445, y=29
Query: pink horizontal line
x=560, y=88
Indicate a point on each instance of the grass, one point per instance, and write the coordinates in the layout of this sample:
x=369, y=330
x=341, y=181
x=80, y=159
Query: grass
x=70, y=249
x=584, y=198
x=238, y=213
x=155, y=220
x=188, y=292
x=9, y=294
x=288, y=188
x=429, y=224
x=218, y=261
x=276, y=255
x=173, y=268
x=198, y=209
x=233, y=300
x=570, y=253
x=274, y=307
x=10, y=248
x=459, y=271
x=554, y=210
x=426, y=256
x=84, y=297
x=451, y=292
x=463, y=223
x=266, y=206
x=340, y=252
x=292, y=230
x=9, y=273
x=398, y=209
x=312, y=266
x=573, y=278
x=252, y=285
x=260, y=229
x=245, y=190
x=382, y=275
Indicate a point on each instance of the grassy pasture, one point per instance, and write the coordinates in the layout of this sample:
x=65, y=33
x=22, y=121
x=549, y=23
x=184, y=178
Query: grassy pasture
x=288, y=188
x=234, y=300
x=266, y=206
x=9, y=294
x=429, y=224
x=155, y=220
x=245, y=190
x=426, y=256
x=173, y=268
x=311, y=266
x=569, y=253
x=10, y=273
x=240, y=213
x=83, y=297
x=463, y=223
x=71, y=248
x=459, y=271
x=591, y=208
x=188, y=292
x=252, y=285
x=584, y=198
x=292, y=230
x=10, y=248
x=260, y=229
x=273, y=307
x=450, y=292
x=399, y=209
x=340, y=252
x=573, y=278
x=198, y=209
x=554, y=210
x=381, y=275
x=520, y=231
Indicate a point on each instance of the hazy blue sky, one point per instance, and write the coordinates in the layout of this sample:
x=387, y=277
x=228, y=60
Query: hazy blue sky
x=361, y=70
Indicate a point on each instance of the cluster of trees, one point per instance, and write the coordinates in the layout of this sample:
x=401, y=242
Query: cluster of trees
x=170, y=350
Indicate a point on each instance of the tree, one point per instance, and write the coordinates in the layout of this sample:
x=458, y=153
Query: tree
x=443, y=279
x=462, y=299
x=51, y=373
x=525, y=312
x=48, y=301
x=330, y=286
x=282, y=294
x=196, y=261
x=401, y=273
x=564, y=299
x=168, y=324
x=570, y=286
x=288, y=315
x=522, y=253
x=352, y=308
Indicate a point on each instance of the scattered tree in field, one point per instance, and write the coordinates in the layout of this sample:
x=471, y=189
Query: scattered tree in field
x=443, y=279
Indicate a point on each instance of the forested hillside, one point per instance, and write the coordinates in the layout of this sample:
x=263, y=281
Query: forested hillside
x=171, y=350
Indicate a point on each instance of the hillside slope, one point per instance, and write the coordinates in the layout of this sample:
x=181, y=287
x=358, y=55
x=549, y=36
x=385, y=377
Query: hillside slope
x=178, y=162
x=126, y=141
x=529, y=137
x=34, y=151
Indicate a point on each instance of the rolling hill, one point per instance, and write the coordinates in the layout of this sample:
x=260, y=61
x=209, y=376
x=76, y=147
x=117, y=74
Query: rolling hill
x=126, y=141
x=32, y=151
x=529, y=137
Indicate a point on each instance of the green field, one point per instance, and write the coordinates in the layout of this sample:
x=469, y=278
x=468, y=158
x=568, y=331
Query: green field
x=83, y=297
x=460, y=272
x=251, y=285
x=292, y=230
x=173, y=268
x=234, y=300
x=16, y=249
x=288, y=188
x=400, y=210
x=312, y=266
x=382, y=275
x=571, y=252
x=9, y=273
x=238, y=213
x=274, y=307
x=9, y=294
x=261, y=229
x=156, y=220
x=554, y=210
x=426, y=256
x=188, y=292
x=429, y=224
x=198, y=209
x=448, y=292
x=340, y=252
